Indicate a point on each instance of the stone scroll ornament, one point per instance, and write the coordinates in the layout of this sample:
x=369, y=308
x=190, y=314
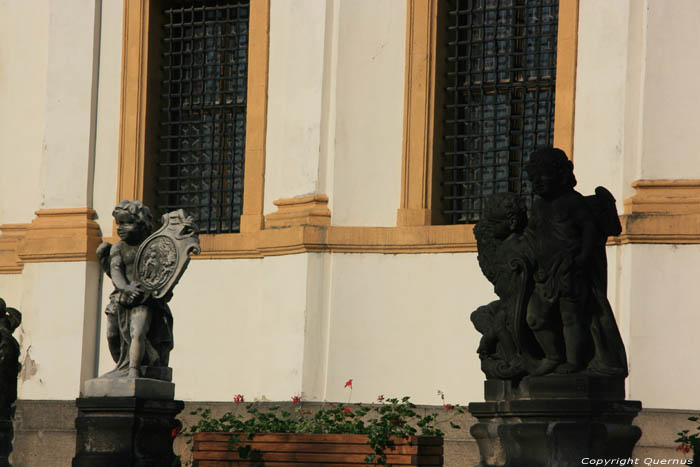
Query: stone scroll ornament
x=550, y=275
x=144, y=269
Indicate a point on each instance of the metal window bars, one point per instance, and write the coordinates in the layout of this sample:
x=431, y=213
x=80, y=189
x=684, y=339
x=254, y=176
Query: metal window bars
x=500, y=77
x=203, y=111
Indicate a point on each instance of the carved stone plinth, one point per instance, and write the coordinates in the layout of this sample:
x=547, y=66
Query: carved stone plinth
x=554, y=420
x=6, y=434
x=121, y=431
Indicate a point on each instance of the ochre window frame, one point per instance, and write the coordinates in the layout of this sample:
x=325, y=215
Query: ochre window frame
x=418, y=194
x=133, y=165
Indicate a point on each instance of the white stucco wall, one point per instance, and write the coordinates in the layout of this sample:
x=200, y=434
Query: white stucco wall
x=239, y=329
x=335, y=109
x=11, y=289
x=399, y=325
x=58, y=333
x=67, y=165
x=108, y=113
x=23, y=63
x=600, y=96
x=671, y=100
x=295, y=98
x=663, y=297
x=369, y=105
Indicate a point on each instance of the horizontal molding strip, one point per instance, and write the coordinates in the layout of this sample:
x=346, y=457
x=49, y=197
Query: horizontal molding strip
x=54, y=235
x=660, y=212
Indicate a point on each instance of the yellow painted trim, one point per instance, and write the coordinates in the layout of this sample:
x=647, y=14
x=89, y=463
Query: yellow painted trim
x=301, y=210
x=10, y=238
x=662, y=211
x=419, y=96
x=565, y=92
x=54, y=235
x=337, y=239
x=133, y=144
x=132, y=141
x=256, y=116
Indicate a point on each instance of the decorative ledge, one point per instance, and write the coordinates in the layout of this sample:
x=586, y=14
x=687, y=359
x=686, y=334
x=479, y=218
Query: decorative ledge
x=662, y=211
x=61, y=235
x=301, y=210
x=10, y=237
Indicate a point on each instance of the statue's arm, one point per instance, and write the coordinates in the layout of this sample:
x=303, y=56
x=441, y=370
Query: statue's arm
x=131, y=292
x=116, y=268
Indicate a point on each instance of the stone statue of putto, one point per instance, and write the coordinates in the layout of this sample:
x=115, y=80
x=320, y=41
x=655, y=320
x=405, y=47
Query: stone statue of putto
x=10, y=319
x=144, y=269
x=550, y=274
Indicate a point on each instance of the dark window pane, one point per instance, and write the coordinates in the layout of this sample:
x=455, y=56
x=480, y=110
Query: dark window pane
x=499, y=98
x=203, y=114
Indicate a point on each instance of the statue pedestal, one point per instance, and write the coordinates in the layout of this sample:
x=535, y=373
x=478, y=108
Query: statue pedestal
x=125, y=421
x=6, y=435
x=554, y=420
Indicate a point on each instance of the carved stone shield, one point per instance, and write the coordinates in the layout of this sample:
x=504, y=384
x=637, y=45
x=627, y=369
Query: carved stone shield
x=163, y=257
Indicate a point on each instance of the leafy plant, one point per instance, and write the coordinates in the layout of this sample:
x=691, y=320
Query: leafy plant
x=689, y=441
x=383, y=423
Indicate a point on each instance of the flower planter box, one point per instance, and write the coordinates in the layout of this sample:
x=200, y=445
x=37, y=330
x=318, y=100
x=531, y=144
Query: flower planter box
x=310, y=450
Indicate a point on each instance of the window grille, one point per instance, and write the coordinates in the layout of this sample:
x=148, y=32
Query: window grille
x=499, y=98
x=203, y=114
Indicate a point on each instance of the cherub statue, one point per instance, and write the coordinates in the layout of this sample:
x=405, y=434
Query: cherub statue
x=568, y=310
x=139, y=326
x=503, y=258
x=10, y=320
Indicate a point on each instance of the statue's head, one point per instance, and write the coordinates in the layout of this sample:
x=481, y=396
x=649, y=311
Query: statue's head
x=11, y=318
x=505, y=213
x=550, y=172
x=134, y=221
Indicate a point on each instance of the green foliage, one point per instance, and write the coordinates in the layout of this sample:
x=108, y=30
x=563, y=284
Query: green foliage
x=689, y=441
x=383, y=423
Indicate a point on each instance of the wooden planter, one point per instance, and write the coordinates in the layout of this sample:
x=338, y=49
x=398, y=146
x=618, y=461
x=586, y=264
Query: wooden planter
x=311, y=450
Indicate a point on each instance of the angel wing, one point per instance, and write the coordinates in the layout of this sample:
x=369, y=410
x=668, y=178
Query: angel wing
x=103, y=256
x=603, y=206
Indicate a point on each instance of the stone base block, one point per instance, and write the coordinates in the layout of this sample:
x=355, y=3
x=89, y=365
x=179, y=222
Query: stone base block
x=576, y=386
x=164, y=373
x=555, y=420
x=6, y=435
x=144, y=388
x=125, y=431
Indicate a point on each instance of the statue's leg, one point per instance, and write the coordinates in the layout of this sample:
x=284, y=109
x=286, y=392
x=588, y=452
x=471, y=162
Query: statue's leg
x=574, y=334
x=539, y=320
x=113, y=337
x=139, y=326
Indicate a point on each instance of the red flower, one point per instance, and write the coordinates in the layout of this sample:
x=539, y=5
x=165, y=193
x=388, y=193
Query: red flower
x=238, y=398
x=380, y=398
x=346, y=410
x=448, y=406
x=296, y=400
x=684, y=447
x=348, y=383
x=175, y=431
